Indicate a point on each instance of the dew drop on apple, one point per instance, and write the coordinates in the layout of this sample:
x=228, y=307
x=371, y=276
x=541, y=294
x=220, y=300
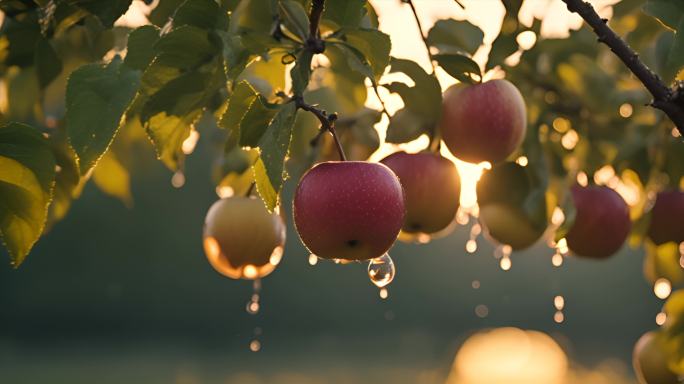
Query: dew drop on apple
x=381, y=270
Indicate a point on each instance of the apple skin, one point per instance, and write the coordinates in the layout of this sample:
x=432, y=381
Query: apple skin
x=501, y=192
x=431, y=187
x=483, y=122
x=242, y=240
x=650, y=361
x=601, y=224
x=666, y=218
x=351, y=210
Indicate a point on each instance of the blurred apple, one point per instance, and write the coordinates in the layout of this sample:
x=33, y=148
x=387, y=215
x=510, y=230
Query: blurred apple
x=601, y=223
x=431, y=188
x=501, y=193
x=483, y=122
x=242, y=239
x=349, y=210
x=650, y=361
x=666, y=218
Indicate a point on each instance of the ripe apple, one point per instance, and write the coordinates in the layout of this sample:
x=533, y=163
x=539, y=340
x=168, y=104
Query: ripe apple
x=666, y=218
x=501, y=192
x=431, y=189
x=601, y=223
x=350, y=210
x=650, y=361
x=242, y=239
x=483, y=122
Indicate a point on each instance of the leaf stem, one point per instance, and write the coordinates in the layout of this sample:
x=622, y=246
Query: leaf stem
x=314, y=42
x=327, y=123
x=422, y=35
x=664, y=98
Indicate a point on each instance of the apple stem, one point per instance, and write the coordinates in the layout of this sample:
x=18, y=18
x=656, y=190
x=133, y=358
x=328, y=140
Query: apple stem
x=327, y=123
x=666, y=99
x=422, y=34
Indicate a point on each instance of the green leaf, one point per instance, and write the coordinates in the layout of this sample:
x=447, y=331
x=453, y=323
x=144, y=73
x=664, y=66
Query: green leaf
x=96, y=98
x=668, y=12
x=107, y=11
x=460, y=67
x=295, y=18
x=204, y=14
x=374, y=47
x=404, y=126
x=235, y=55
x=255, y=122
x=27, y=174
x=185, y=47
x=453, y=36
x=504, y=46
x=269, y=170
x=301, y=72
x=238, y=104
x=424, y=99
x=140, y=52
x=48, y=64
x=347, y=13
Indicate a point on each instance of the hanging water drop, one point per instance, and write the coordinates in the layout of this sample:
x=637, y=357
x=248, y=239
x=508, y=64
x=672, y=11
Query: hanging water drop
x=384, y=293
x=253, y=304
x=381, y=270
x=661, y=318
x=662, y=288
x=255, y=345
x=505, y=263
x=313, y=259
x=559, y=304
x=178, y=179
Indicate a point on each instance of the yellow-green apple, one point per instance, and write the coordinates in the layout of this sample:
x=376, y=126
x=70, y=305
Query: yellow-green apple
x=666, y=218
x=501, y=194
x=431, y=190
x=483, y=122
x=601, y=223
x=650, y=360
x=242, y=239
x=350, y=210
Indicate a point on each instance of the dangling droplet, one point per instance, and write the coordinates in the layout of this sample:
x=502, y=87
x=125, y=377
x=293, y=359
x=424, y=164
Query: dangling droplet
x=253, y=305
x=505, y=263
x=661, y=318
x=384, y=293
x=559, y=304
x=255, y=345
x=178, y=179
x=381, y=270
x=662, y=288
x=313, y=259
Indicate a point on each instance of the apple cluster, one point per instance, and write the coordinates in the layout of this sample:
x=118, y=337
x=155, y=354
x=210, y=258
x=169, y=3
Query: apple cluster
x=355, y=210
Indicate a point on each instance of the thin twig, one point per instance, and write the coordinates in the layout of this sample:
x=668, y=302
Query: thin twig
x=663, y=97
x=422, y=35
x=327, y=122
x=314, y=41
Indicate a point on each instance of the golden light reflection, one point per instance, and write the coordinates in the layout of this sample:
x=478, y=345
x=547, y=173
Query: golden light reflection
x=509, y=355
x=626, y=110
x=662, y=288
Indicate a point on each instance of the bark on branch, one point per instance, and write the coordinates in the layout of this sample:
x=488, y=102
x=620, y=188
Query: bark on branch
x=664, y=98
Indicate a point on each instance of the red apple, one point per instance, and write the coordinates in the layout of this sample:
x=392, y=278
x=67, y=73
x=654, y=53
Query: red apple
x=666, y=218
x=431, y=188
x=601, y=224
x=650, y=361
x=350, y=210
x=242, y=239
x=483, y=122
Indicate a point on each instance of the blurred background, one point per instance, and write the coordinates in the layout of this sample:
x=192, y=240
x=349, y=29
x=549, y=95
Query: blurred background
x=118, y=294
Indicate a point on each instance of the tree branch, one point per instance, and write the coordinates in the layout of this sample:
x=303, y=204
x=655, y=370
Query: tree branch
x=422, y=34
x=327, y=123
x=314, y=41
x=664, y=98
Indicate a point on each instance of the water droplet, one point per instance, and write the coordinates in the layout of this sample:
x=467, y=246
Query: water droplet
x=559, y=302
x=661, y=318
x=557, y=259
x=253, y=304
x=178, y=179
x=381, y=270
x=475, y=284
x=462, y=216
x=471, y=246
x=482, y=311
x=662, y=288
x=313, y=259
x=558, y=317
x=188, y=145
x=505, y=263
x=384, y=293
x=562, y=247
x=255, y=346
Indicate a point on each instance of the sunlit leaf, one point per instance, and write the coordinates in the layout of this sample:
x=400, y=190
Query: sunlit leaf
x=96, y=98
x=453, y=36
x=27, y=174
x=140, y=50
